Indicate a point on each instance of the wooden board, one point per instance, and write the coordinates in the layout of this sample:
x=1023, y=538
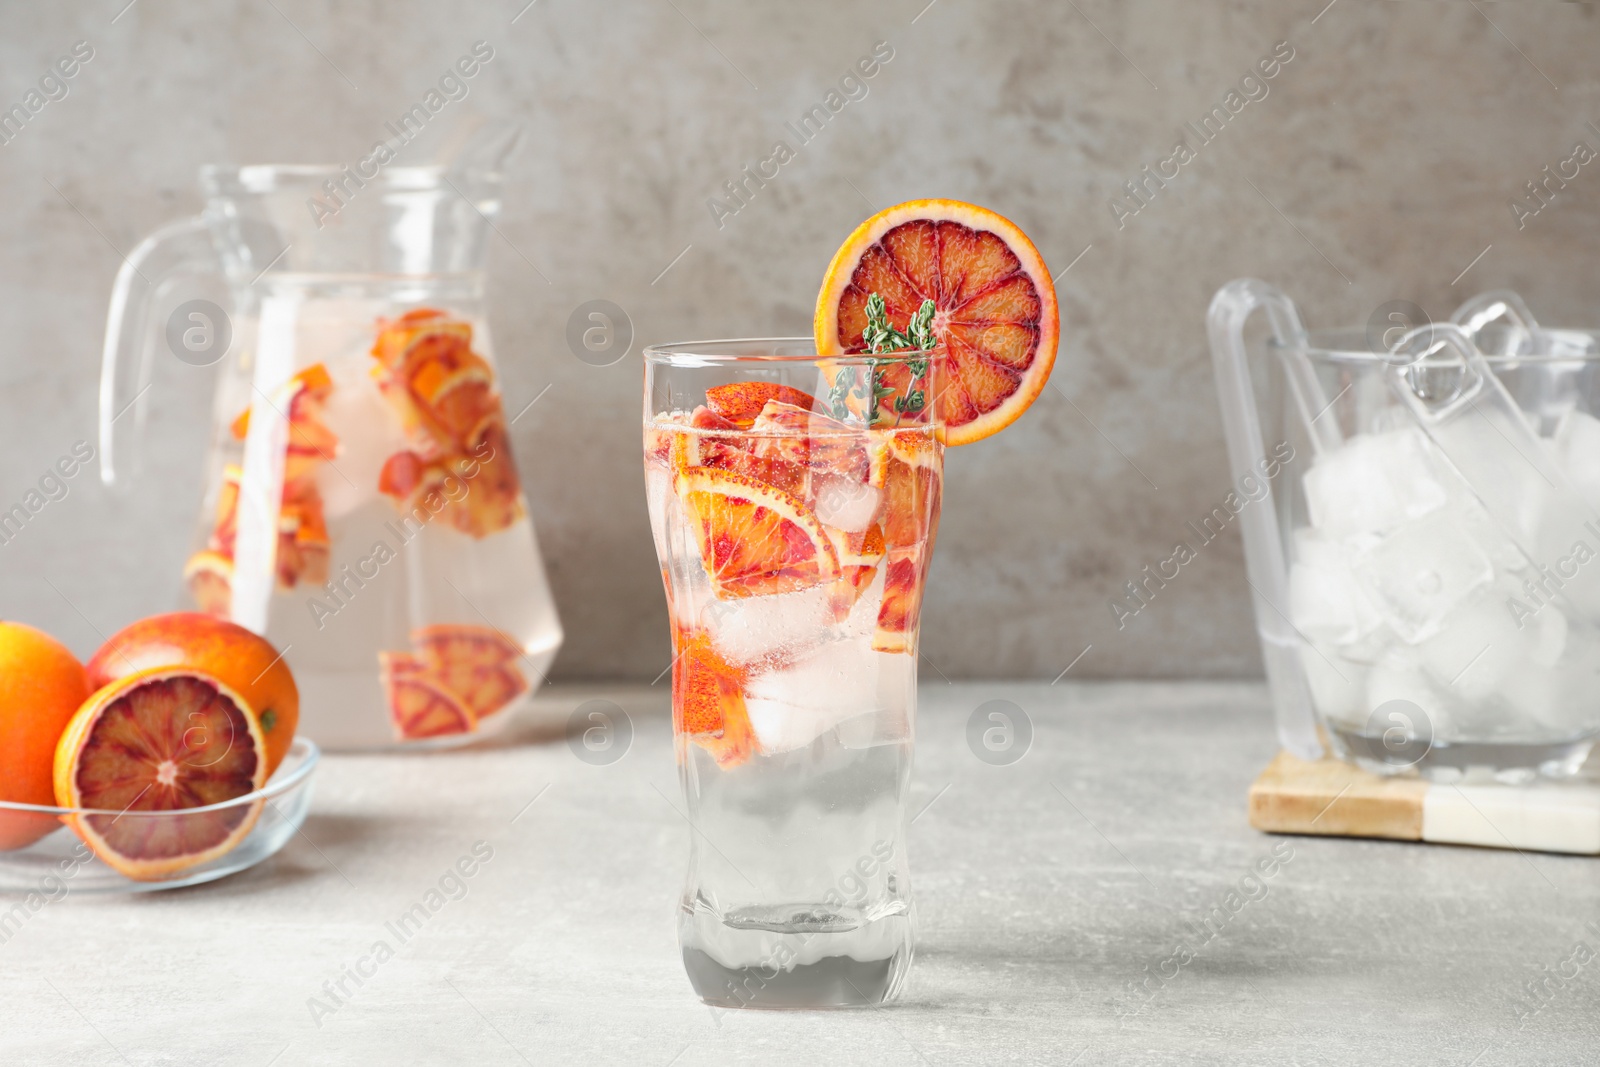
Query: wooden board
x=1333, y=798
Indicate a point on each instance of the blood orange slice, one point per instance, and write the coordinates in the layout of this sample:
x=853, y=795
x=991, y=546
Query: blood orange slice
x=996, y=305
x=475, y=663
x=754, y=539
x=800, y=435
x=419, y=706
x=161, y=741
x=722, y=445
x=904, y=575
x=708, y=702
x=912, y=480
x=741, y=402
x=301, y=399
x=209, y=576
x=859, y=556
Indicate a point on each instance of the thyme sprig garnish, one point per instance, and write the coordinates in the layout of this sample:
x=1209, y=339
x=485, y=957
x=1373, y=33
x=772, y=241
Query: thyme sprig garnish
x=882, y=338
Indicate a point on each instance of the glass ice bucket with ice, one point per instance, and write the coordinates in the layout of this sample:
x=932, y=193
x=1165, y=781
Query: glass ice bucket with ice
x=362, y=508
x=1425, y=562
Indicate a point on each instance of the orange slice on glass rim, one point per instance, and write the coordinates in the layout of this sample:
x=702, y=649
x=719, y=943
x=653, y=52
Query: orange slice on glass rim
x=419, y=705
x=161, y=741
x=754, y=539
x=996, y=313
x=708, y=702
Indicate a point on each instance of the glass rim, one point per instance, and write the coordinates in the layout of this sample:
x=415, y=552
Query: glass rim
x=310, y=754
x=779, y=351
x=1350, y=345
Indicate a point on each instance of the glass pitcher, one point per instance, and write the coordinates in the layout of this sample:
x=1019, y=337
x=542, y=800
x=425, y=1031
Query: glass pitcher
x=362, y=510
x=1421, y=521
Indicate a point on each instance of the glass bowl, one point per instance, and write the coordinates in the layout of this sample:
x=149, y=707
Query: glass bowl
x=60, y=863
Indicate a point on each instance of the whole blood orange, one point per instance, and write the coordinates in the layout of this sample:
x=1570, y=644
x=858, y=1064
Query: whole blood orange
x=41, y=686
x=161, y=741
x=246, y=663
x=995, y=315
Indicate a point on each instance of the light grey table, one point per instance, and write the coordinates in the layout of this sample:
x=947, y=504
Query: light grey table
x=1060, y=900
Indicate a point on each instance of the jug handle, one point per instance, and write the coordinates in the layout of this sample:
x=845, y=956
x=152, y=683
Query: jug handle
x=125, y=365
x=1265, y=566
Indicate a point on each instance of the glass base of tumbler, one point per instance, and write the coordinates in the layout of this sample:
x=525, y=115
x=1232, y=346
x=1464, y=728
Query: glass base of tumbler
x=809, y=968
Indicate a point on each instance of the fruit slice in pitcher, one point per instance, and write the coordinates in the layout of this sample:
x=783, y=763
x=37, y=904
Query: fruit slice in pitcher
x=441, y=389
x=995, y=307
x=754, y=539
x=161, y=740
x=209, y=576
x=708, y=702
x=478, y=664
x=301, y=400
x=419, y=706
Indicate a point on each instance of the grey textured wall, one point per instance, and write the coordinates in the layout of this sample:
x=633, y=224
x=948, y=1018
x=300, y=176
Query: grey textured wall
x=1379, y=165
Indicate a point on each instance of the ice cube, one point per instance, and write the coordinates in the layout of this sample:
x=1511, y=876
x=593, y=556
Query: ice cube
x=1501, y=550
x=1399, y=677
x=1494, y=452
x=1421, y=572
x=755, y=629
x=1577, y=443
x=862, y=621
x=1575, y=708
x=1481, y=645
x=657, y=493
x=1569, y=551
x=1376, y=482
x=1338, y=687
x=1325, y=603
x=1532, y=700
x=890, y=722
x=845, y=503
x=794, y=705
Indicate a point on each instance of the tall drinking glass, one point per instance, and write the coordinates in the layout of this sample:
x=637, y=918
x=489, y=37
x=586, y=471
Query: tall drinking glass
x=794, y=500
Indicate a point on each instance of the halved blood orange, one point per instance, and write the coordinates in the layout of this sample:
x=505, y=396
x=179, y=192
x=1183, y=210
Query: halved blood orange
x=741, y=402
x=754, y=539
x=475, y=663
x=708, y=702
x=161, y=740
x=419, y=706
x=997, y=317
x=209, y=576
